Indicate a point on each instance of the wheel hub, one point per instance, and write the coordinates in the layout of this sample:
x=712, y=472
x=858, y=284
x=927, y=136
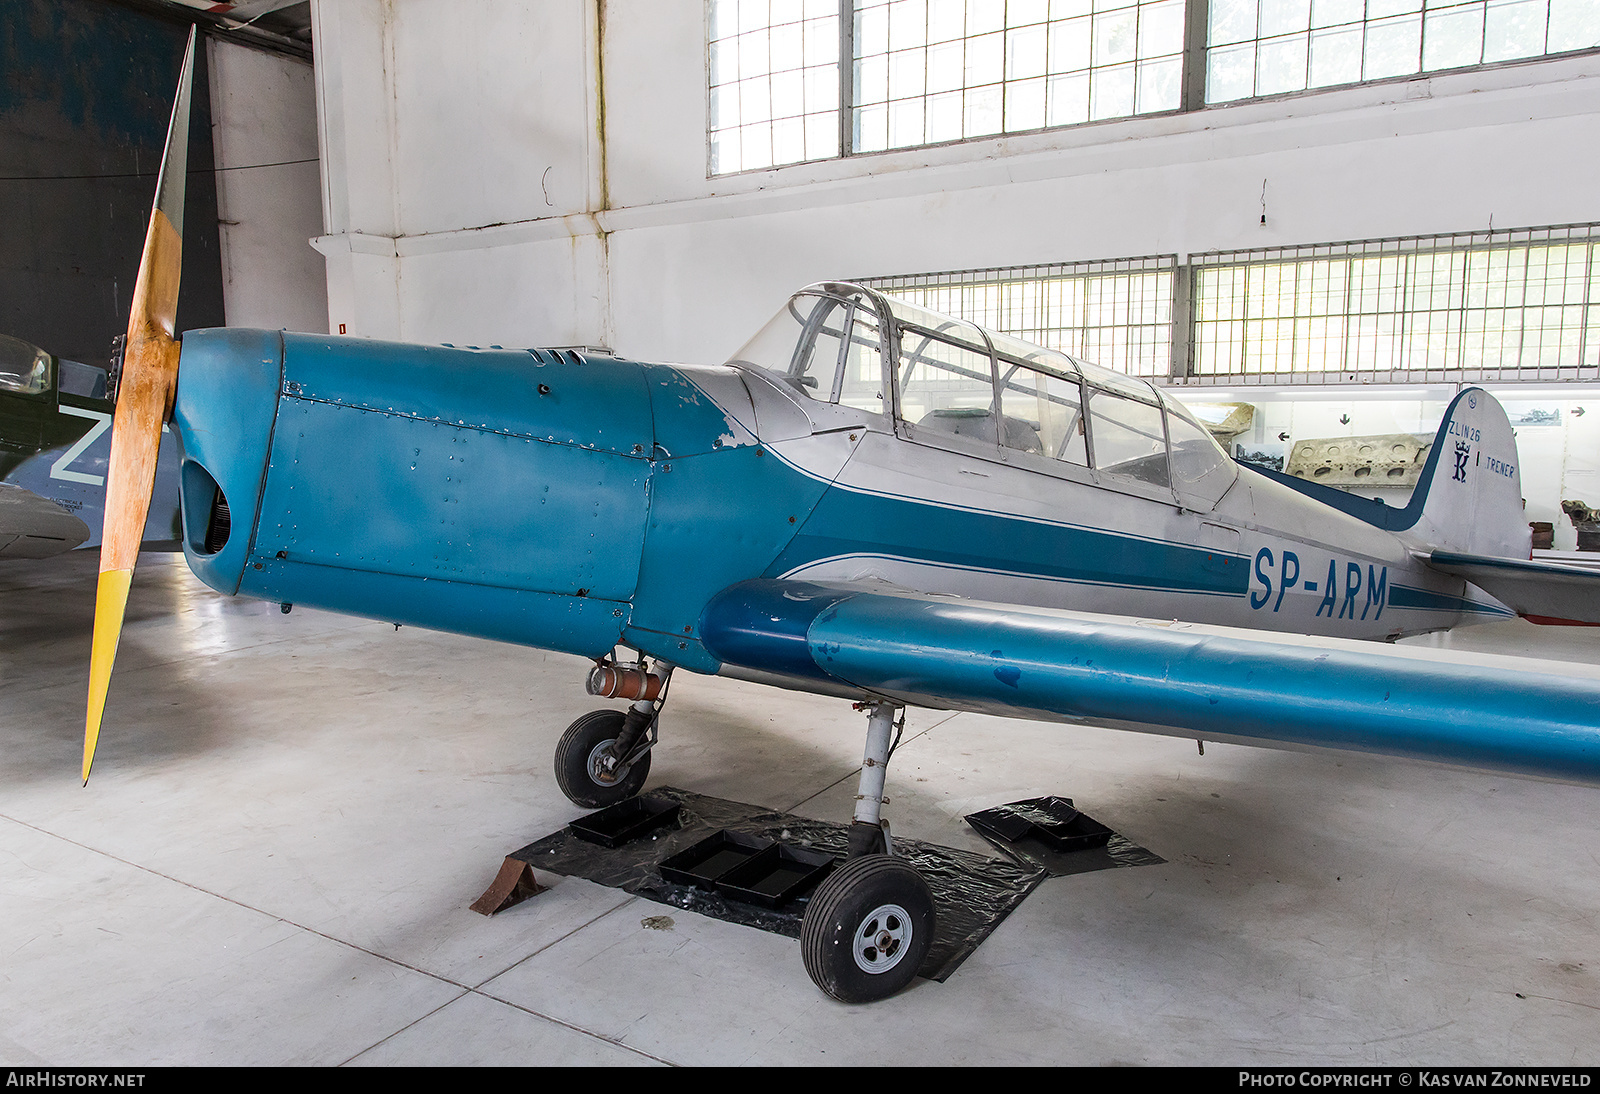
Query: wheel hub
x=882, y=938
x=603, y=766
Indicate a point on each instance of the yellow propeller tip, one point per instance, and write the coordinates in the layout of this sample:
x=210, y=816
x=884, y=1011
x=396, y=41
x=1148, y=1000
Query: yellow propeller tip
x=111, y=600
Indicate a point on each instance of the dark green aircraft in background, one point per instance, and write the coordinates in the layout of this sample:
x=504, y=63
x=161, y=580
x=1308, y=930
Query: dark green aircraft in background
x=55, y=442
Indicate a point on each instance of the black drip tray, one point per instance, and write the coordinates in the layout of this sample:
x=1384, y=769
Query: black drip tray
x=776, y=876
x=1053, y=821
x=625, y=821
x=972, y=892
x=1052, y=834
x=708, y=861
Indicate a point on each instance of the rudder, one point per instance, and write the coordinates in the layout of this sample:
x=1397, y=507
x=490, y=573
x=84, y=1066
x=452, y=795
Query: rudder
x=1470, y=492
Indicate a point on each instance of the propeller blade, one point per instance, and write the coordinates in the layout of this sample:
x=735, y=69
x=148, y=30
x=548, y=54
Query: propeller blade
x=144, y=398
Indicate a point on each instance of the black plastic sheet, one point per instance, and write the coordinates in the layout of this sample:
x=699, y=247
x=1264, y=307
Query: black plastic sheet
x=972, y=894
x=1035, y=831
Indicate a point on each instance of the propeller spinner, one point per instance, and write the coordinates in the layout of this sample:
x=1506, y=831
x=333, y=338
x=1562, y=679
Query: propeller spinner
x=144, y=400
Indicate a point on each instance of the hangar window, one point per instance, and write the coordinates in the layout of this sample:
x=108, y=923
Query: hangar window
x=1511, y=304
x=921, y=72
x=773, y=68
x=1118, y=313
x=928, y=71
x=1521, y=304
x=792, y=81
x=1265, y=47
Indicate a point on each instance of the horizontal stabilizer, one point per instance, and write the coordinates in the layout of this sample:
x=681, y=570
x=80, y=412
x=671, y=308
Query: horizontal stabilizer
x=1213, y=683
x=35, y=527
x=1544, y=592
x=1469, y=490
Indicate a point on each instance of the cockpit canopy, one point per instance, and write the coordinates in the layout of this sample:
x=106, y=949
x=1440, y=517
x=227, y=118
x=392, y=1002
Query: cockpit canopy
x=24, y=369
x=959, y=385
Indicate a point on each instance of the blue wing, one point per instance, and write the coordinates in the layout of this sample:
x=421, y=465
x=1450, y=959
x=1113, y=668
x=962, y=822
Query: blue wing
x=1211, y=683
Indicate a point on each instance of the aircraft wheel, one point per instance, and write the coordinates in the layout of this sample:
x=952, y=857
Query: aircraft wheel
x=580, y=771
x=867, y=929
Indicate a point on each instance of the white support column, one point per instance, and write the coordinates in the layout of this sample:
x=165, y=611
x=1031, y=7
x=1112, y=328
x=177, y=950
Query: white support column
x=355, y=80
x=263, y=111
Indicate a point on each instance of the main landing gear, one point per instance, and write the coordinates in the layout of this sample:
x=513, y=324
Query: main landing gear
x=604, y=756
x=870, y=923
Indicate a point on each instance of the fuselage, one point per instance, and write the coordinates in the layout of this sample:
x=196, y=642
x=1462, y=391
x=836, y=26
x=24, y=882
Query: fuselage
x=577, y=502
x=55, y=442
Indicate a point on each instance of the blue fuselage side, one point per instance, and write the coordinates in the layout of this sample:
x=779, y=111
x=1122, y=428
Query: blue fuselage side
x=576, y=502
x=545, y=498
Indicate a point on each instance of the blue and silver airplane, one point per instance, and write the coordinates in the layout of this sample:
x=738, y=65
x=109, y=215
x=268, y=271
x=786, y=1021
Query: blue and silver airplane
x=870, y=501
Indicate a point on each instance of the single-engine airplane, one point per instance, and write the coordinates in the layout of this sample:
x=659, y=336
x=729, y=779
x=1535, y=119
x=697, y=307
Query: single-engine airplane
x=55, y=421
x=870, y=501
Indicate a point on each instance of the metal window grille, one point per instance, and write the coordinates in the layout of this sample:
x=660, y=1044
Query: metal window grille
x=773, y=77
x=1115, y=313
x=929, y=71
x=1266, y=47
x=1502, y=305
x=792, y=81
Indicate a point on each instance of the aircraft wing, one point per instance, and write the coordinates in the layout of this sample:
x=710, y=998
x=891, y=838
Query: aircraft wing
x=35, y=527
x=1545, y=592
x=1211, y=683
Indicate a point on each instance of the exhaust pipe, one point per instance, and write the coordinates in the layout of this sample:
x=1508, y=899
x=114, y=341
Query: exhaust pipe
x=612, y=681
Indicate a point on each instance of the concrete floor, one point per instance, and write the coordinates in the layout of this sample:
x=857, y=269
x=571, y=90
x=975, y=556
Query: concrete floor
x=290, y=814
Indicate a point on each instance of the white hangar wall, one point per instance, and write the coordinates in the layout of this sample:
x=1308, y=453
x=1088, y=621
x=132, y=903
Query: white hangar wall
x=263, y=111
x=461, y=170
x=478, y=188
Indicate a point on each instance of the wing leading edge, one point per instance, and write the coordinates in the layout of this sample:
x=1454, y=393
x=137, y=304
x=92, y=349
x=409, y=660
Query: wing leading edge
x=1185, y=679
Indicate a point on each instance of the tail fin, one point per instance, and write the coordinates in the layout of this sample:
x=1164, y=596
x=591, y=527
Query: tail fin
x=1469, y=499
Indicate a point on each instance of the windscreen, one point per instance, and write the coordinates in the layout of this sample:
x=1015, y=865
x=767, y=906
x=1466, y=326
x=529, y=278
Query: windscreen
x=826, y=342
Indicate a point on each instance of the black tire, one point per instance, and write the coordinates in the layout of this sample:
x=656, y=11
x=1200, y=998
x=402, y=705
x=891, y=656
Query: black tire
x=867, y=929
x=575, y=755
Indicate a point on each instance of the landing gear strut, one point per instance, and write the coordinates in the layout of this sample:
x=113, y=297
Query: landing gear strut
x=604, y=756
x=870, y=923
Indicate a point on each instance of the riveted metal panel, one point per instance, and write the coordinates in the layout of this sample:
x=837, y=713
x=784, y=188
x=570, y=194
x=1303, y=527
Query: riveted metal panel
x=718, y=516
x=547, y=395
x=573, y=624
x=388, y=493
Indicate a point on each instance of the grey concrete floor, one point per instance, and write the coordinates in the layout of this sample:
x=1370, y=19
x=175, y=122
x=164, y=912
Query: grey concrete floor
x=290, y=814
